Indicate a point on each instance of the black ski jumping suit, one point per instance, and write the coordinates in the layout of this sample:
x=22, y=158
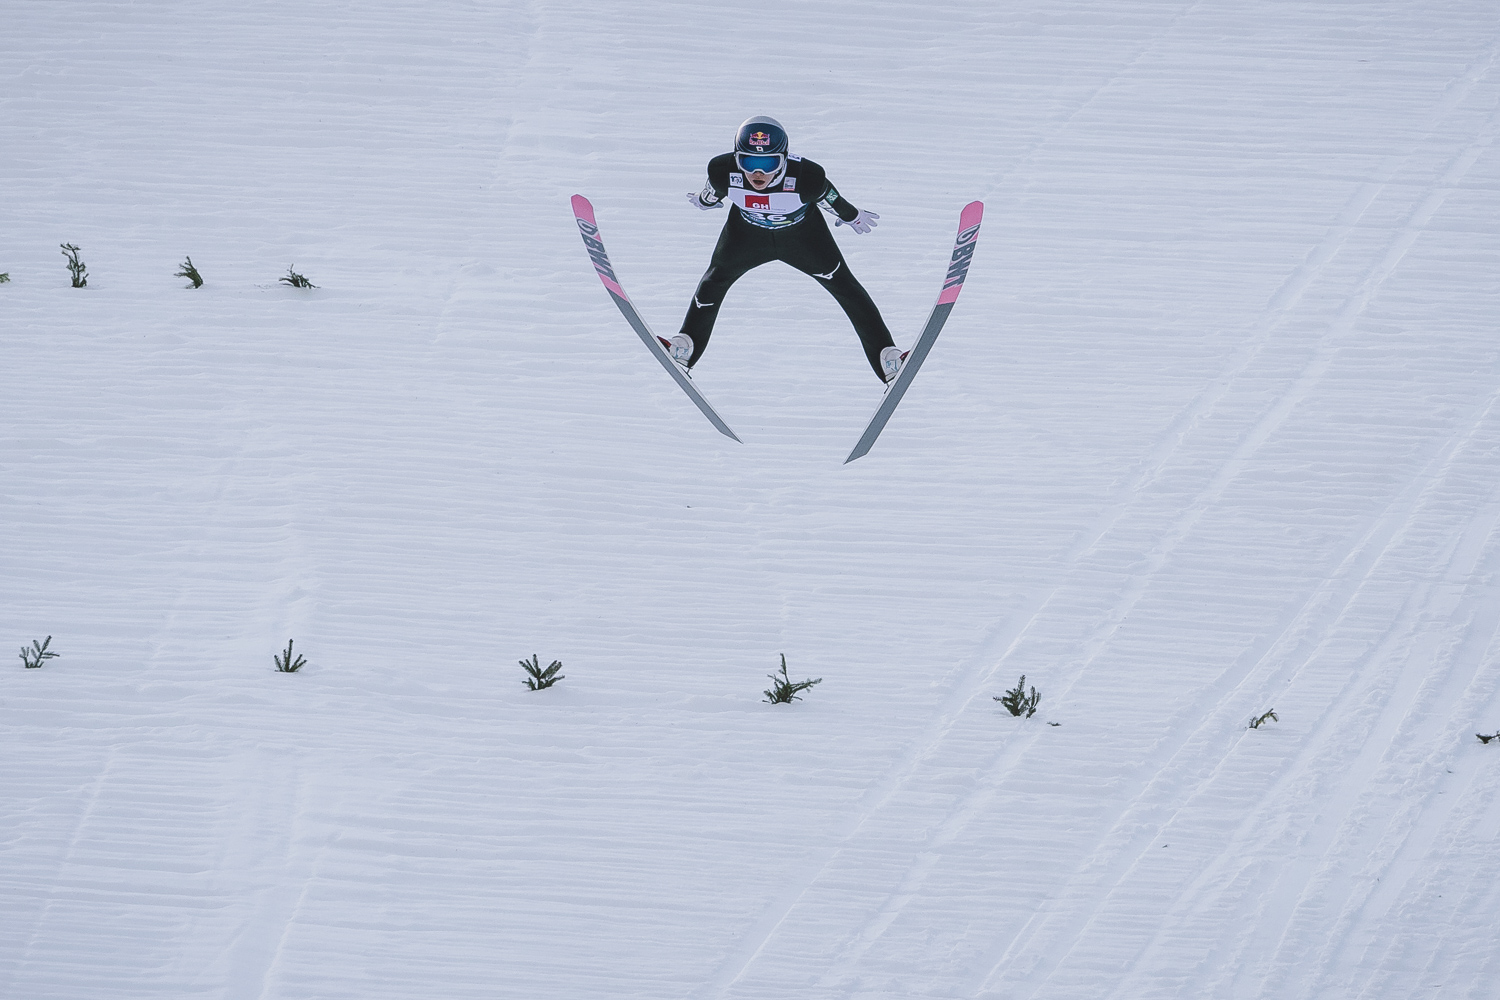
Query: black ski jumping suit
x=777, y=224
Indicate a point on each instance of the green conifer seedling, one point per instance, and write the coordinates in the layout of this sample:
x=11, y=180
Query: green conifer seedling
x=77, y=268
x=1018, y=702
x=284, y=662
x=37, y=654
x=540, y=677
x=296, y=280
x=1261, y=719
x=190, y=272
x=784, y=690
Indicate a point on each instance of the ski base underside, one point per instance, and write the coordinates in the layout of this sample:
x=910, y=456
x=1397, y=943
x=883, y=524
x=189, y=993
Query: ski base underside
x=958, y=269
x=588, y=228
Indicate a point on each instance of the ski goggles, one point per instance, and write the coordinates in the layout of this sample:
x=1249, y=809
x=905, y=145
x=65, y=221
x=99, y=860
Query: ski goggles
x=765, y=163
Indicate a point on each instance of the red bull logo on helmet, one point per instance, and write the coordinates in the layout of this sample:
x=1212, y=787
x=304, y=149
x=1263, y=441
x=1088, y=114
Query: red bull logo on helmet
x=759, y=139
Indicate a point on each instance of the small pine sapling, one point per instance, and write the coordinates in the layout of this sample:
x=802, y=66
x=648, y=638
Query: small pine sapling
x=77, y=268
x=190, y=272
x=4, y=277
x=296, y=280
x=1260, y=720
x=37, y=654
x=284, y=662
x=541, y=677
x=1018, y=702
x=785, y=690
x=1485, y=739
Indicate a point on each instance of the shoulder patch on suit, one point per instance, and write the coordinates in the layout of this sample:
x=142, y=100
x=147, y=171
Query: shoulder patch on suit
x=736, y=180
x=790, y=184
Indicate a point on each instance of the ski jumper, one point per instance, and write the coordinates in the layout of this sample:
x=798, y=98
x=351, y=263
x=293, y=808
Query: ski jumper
x=776, y=224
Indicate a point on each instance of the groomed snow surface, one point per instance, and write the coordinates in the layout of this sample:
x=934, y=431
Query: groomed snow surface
x=1213, y=430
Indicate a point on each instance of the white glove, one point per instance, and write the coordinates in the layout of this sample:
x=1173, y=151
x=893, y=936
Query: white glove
x=697, y=202
x=861, y=223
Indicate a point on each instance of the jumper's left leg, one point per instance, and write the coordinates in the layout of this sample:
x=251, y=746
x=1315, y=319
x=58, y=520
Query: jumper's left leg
x=861, y=310
x=814, y=252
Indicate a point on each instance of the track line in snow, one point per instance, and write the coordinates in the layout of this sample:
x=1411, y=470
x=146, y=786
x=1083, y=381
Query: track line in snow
x=64, y=859
x=1349, y=218
x=1314, y=880
x=263, y=961
x=1363, y=921
x=1365, y=903
x=1405, y=629
x=1059, y=928
x=844, y=966
x=1002, y=187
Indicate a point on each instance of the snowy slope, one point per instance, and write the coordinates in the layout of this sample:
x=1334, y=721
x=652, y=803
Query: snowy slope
x=1213, y=430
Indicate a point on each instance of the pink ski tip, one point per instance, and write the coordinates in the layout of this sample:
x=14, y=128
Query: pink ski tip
x=963, y=251
x=585, y=211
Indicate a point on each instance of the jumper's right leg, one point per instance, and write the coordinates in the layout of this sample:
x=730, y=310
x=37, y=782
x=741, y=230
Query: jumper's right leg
x=741, y=247
x=698, y=324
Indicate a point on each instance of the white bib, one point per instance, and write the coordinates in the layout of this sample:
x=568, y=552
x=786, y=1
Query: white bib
x=772, y=206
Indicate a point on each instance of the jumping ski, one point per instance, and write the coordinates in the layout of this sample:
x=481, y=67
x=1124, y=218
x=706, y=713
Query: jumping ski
x=583, y=214
x=953, y=283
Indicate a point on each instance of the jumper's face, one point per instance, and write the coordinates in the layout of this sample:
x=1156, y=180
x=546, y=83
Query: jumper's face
x=761, y=169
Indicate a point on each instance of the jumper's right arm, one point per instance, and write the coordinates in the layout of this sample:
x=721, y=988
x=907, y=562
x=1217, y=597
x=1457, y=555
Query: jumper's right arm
x=706, y=199
x=717, y=186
